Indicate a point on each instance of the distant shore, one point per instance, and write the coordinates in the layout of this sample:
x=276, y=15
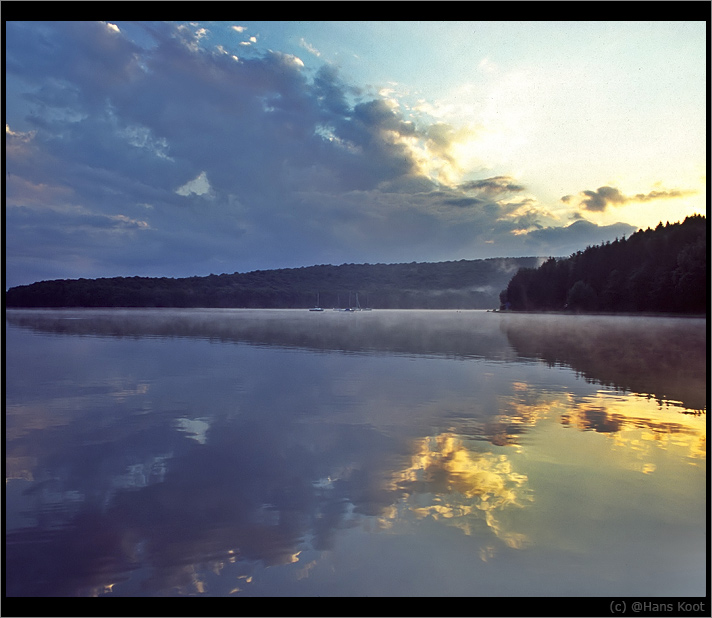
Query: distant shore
x=619, y=314
x=392, y=309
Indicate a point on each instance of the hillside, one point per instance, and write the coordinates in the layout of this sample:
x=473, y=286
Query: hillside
x=464, y=284
x=661, y=270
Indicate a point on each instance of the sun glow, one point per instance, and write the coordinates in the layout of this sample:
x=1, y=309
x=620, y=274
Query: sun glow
x=445, y=154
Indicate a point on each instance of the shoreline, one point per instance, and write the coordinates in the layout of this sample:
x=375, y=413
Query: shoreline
x=621, y=314
x=390, y=309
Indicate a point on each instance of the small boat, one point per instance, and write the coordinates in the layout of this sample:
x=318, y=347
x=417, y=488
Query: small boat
x=317, y=307
x=348, y=309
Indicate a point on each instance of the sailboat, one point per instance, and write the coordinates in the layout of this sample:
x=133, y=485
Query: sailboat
x=338, y=304
x=358, y=306
x=349, y=308
x=317, y=307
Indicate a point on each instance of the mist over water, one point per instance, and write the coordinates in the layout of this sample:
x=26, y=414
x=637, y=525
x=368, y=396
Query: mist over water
x=241, y=452
x=661, y=356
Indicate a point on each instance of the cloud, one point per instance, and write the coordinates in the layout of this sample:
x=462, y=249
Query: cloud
x=601, y=198
x=299, y=166
x=465, y=202
x=310, y=48
x=597, y=201
x=493, y=187
x=661, y=195
x=563, y=241
x=198, y=186
x=332, y=92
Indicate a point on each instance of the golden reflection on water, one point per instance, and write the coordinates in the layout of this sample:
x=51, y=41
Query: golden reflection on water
x=449, y=482
x=639, y=424
x=453, y=480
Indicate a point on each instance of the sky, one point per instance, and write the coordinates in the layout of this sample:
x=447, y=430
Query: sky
x=174, y=149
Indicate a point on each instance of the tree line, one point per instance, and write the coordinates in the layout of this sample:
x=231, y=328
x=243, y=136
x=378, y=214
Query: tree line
x=661, y=270
x=463, y=284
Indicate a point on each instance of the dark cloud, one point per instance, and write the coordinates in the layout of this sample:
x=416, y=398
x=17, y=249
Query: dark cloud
x=660, y=195
x=601, y=198
x=332, y=91
x=465, y=202
x=64, y=57
x=494, y=186
x=597, y=201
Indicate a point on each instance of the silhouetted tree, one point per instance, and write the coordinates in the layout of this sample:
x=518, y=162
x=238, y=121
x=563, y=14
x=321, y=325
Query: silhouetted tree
x=660, y=270
x=582, y=297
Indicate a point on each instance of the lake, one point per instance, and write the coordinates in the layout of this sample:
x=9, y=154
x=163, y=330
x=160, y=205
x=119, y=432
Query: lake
x=224, y=452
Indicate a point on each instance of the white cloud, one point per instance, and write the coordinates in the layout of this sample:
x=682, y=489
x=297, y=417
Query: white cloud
x=310, y=48
x=197, y=186
x=141, y=137
x=129, y=222
x=24, y=137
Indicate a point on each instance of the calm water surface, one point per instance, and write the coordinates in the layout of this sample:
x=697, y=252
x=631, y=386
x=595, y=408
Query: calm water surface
x=255, y=453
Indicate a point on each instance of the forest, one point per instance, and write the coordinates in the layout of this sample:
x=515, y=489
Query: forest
x=464, y=284
x=661, y=270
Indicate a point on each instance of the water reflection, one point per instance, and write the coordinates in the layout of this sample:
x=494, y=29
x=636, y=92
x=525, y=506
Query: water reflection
x=634, y=423
x=148, y=454
x=453, y=483
x=663, y=357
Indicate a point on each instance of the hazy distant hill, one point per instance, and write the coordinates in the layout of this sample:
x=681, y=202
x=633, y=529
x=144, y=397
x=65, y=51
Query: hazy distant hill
x=662, y=270
x=464, y=284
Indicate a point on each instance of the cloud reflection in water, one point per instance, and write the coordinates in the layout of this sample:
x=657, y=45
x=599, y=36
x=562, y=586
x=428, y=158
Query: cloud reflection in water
x=165, y=456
